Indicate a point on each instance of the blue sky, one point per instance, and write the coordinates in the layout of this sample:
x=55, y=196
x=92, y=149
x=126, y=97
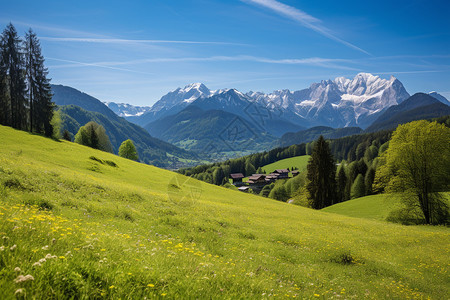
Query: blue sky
x=137, y=51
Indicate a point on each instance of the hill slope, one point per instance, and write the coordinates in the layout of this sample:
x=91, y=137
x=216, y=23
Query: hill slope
x=210, y=131
x=297, y=161
x=78, y=108
x=312, y=134
x=134, y=231
x=417, y=107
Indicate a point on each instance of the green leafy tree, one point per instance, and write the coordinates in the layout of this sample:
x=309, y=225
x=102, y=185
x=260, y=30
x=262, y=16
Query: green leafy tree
x=128, y=150
x=249, y=168
x=218, y=176
x=418, y=166
x=93, y=135
x=279, y=193
x=321, y=176
x=358, y=188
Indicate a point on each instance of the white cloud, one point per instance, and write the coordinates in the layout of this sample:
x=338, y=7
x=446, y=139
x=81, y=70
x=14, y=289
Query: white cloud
x=129, y=41
x=303, y=18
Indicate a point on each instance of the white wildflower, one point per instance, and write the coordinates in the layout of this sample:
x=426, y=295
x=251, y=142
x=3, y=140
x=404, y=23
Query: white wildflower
x=19, y=292
x=45, y=247
x=2, y=248
x=22, y=278
x=13, y=247
x=37, y=264
x=17, y=269
x=42, y=260
x=49, y=256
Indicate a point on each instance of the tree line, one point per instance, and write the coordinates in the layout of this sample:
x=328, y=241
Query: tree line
x=25, y=92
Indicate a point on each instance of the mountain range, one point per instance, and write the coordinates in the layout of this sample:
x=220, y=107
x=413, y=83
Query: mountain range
x=335, y=103
x=77, y=108
x=232, y=123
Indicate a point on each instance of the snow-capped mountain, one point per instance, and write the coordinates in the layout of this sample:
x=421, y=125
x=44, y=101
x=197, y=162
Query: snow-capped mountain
x=336, y=103
x=173, y=102
x=127, y=110
x=340, y=102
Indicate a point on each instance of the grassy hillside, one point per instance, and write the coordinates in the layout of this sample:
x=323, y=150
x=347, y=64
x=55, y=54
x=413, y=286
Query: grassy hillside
x=375, y=207
x=297, y=161
x=77, y=222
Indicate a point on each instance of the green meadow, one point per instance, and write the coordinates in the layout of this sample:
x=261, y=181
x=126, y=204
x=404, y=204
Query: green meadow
x=81, y=223
x=297, y=161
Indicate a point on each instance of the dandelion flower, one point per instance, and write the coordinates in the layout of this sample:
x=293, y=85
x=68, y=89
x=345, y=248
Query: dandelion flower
x=150, y=285
x=112, y=286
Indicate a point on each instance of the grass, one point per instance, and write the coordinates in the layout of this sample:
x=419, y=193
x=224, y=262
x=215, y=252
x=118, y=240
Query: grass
x=297, y=161
x=72, y=227
x=376, y=207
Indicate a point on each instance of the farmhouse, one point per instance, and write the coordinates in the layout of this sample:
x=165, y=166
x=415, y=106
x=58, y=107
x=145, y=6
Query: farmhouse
x=295, y=173
x=237, y=178
x=283, y=173
x=257, y=179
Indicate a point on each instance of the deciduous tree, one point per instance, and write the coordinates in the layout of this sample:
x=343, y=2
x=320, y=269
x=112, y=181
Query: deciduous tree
x=418, y=166
x=128, y=150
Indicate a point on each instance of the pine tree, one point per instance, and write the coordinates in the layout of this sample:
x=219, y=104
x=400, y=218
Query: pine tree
x=321, y=176
x=4, y=103
x=14, y=73
x=341, y=184
x=39, y=90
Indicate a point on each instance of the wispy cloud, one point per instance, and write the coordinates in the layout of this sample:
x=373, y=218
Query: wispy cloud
x=85, y=64
x=303, y=18
x=130, y=41
x=315, y=61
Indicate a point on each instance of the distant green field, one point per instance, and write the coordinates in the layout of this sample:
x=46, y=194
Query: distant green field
x=84, y=224
x=375, y=207
x=298, y=161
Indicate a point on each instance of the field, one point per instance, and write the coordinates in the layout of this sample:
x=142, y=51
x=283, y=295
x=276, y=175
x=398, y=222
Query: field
x=376, y=207
x=298, y=161
x=77, y=222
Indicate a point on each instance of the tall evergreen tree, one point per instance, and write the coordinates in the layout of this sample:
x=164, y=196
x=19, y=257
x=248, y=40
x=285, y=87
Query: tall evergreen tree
x=14, y=72
x=39, y=90
x=341, y=184
x=321, y=176
x=4, y=103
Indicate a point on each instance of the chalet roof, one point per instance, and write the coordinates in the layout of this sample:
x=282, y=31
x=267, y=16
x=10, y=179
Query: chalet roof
x=281, y=171
x=295, y=172
x=243, y=188
x=256, y=177
x=237, y=175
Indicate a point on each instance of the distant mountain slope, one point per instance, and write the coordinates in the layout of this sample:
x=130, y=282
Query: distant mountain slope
x=125, y=110
x=417, y=107
x=210, y=131
x=439, y=97
x=74, y=108
x=313, y=133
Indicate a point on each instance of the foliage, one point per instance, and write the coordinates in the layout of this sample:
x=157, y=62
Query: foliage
x=321, y=176
x=25, y=96
x=93, y=135
x=128, y=150
x=358, y=187
x=418, y=165
x=279, y=193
